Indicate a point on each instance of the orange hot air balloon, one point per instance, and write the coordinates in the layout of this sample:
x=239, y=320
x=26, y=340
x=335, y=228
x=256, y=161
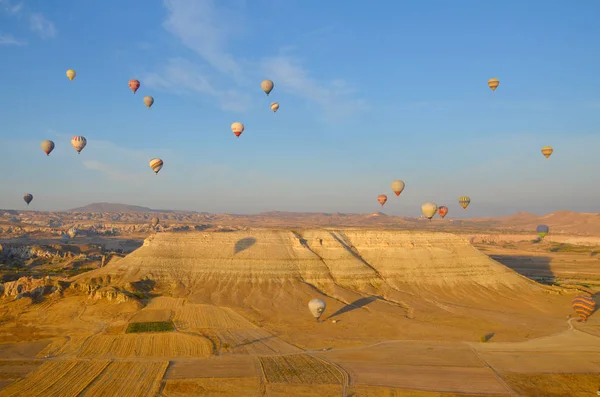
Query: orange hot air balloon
x=134, y=85
x=443, y=210
x=584, y=306
x=382, y=198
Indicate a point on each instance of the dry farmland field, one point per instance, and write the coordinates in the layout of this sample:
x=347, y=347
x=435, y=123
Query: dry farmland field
x=299, y=368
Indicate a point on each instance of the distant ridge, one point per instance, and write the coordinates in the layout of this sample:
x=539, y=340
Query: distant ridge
x=116, y=207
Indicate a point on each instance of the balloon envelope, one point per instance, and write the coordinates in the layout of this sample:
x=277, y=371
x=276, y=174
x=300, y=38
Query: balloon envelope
x=464, y=201
x=547, y=151
x=267, y=86
x=274, y=106
x=493, y=83
x=429, y=210
x=134, y=85
x=78, y=142
x=156, y=164
x=28, y=197
x=317, y=307
x=382, y=198
x=148, y=101
x=71, y=74
x=584, y=306
x=47, y=146
x=443, y=210
x=542, y=230
x=237, y=128
x=398, y=186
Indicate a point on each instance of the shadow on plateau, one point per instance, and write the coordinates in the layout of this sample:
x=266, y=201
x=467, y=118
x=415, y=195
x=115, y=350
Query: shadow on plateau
x=244, y=244
x=536, y=268
x=355, y=305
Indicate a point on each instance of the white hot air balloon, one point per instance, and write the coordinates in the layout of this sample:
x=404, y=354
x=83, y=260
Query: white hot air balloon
x=317, y=307
x=237, y=128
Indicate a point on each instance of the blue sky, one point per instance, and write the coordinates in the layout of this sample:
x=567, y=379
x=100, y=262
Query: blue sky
x=368, y=93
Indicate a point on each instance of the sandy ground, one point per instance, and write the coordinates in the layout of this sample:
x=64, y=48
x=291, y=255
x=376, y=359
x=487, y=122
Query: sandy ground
x=394, y=335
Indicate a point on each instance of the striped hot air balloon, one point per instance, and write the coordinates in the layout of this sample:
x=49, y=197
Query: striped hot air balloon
x=382, y=198
x=78, y=143
x=584, y=306
x=464, y=201
x=156, y=164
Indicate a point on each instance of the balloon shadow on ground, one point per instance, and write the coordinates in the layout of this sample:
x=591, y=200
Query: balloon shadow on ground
x=536, y=268
x=357, y=304
x=244, y=244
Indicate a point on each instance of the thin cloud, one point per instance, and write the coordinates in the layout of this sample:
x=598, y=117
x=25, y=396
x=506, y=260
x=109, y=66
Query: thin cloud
x=206, y=30
x=201, y=27
x=42, y=26
x=292, y=77
x=8, y=39
x=181, y=76
x=38, y=23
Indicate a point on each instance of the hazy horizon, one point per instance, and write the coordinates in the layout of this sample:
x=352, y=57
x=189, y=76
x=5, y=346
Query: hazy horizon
x=367, y=95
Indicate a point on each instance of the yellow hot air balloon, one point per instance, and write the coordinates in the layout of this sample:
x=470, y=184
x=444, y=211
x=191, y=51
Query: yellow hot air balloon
x=464, y=201
x=148, y=101
x=237, y=128
x=71, y=74
x=267, y=86
x=274, y=106
x=493, y=83
x=429, y=210
x=547, y=151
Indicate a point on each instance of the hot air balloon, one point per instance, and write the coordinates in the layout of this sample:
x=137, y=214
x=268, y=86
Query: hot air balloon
x=397, y=187
x=464, y=201
x=429, y=210
x=28, y=197
x=72, y=232
x=584, y=306
x=156, y=164
x=382, y=198
x=547, y=151
x=443, y=210
x=237, y=128
x=317, y=307
x=493, y=83
x=71, y=74
x=134, y=85
x=155, y=221
x=148, y=101
x=542, y=230
x=47, y=146
x=267, y=86
x=78, y=143
x=274, y=106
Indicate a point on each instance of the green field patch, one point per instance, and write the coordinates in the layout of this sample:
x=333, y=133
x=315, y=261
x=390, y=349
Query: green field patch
x=157, y=326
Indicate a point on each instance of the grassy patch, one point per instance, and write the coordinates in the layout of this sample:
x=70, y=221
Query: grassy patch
x=564, y=247
x=158, y=326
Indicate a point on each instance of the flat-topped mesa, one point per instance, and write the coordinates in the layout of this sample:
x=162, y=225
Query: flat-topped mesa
x=350, y=258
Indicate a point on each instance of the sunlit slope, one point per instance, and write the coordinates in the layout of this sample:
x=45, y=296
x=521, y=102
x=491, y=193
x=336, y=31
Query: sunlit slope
x=347, y=258
x=380, y=284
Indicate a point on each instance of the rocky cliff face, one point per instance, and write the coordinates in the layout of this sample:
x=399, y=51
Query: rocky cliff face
x=33, y=288
x=343, y=257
